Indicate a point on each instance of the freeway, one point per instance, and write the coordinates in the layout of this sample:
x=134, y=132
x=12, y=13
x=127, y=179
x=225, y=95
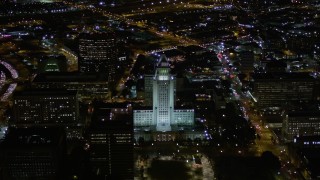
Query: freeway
x=7, y=80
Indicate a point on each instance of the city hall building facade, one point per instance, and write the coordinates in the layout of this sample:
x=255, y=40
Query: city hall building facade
x=163, y=117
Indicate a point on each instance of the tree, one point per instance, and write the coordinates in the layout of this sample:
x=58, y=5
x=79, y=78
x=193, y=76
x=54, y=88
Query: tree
x=270, y=161
x=141, y=140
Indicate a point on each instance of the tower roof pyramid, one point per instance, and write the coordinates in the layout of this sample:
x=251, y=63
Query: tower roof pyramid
x=163, y=61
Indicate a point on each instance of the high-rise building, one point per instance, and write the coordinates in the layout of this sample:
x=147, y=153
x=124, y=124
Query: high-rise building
x=50, y=107
x=246, y=61
x=110, y=111
x=111, y=142
x=163, y=116
x=301, y=123
x=163, y=96
x=148, y=87
x=33, y=153
x=98, y=53
x=278, y=89
x=89, y=85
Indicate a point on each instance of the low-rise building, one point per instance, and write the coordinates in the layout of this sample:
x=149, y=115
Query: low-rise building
x=300, y=123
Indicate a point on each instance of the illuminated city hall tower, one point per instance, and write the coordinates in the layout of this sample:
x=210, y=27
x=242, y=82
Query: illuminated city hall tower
x=163, y=95
x=163, y=116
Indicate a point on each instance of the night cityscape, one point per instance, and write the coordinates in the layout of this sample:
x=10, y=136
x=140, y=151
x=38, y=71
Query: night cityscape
x=159, y=89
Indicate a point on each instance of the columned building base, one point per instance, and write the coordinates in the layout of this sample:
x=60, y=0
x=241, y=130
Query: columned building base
x=168, y=135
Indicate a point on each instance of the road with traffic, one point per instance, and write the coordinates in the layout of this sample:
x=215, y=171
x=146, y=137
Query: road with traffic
x=266, y=139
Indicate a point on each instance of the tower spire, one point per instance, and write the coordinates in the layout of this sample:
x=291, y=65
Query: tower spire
x=163, y=61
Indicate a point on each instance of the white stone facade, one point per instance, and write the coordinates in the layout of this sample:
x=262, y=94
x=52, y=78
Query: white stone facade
x=163, y=115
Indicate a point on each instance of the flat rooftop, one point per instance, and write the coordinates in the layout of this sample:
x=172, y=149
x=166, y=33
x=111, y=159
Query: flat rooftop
x=282, y=76
x=33, y=136
x=67, y=77
x=45, y=92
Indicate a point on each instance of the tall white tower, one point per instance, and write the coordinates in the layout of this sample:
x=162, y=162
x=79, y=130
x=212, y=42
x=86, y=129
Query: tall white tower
x=163, y=95
x=163, y=116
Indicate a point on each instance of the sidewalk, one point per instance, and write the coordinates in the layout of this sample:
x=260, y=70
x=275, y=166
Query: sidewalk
x=201, y=171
